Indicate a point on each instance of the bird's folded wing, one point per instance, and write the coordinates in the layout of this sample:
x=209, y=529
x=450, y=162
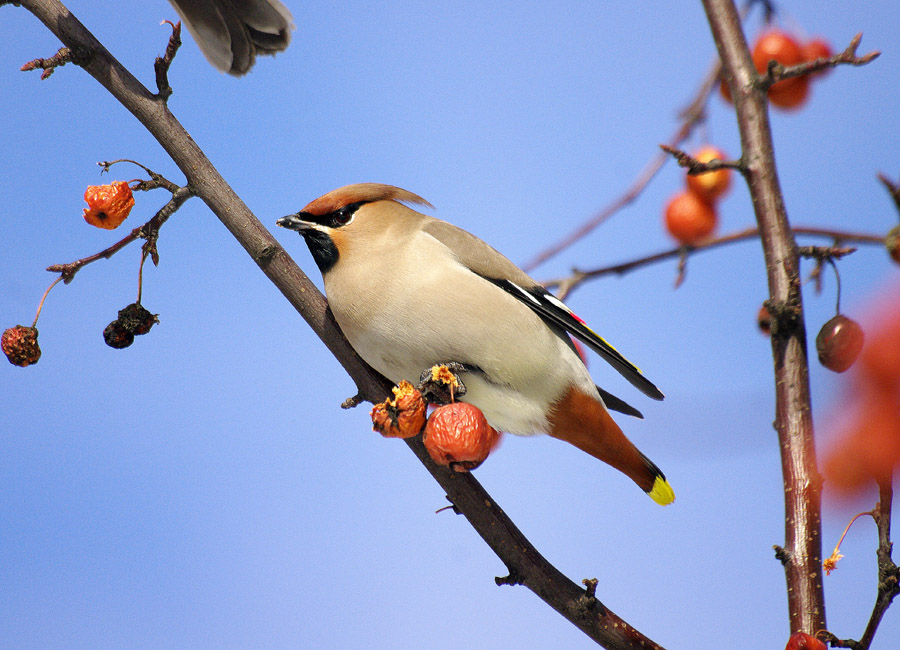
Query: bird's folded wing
x=487, y=262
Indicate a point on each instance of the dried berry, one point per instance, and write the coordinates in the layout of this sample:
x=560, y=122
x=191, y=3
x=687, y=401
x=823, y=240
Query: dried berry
x=108, y=205
x=136, y=319
x=892, y=243
x=117, y=336
x=764, y=320
x=401, y=417
x=459, y=436
x=839, y=343
x=439, y=384
x=803, y=641
x=20, y=345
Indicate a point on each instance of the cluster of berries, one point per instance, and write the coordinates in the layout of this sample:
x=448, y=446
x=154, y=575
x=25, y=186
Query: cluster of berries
x=457, y=435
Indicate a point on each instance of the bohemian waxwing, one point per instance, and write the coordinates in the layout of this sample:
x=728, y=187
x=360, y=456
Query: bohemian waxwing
x=410, y=291
x=231, y=33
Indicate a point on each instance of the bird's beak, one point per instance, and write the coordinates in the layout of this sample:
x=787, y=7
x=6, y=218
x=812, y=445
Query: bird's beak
x=296, y=222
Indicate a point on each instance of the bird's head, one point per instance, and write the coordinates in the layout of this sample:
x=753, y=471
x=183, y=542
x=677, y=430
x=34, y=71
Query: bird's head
x=351, y=214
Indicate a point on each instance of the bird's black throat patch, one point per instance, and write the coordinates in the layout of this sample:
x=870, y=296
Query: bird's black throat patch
x=323, y=250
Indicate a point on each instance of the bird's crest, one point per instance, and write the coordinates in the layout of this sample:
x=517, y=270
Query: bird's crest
x=362, y=192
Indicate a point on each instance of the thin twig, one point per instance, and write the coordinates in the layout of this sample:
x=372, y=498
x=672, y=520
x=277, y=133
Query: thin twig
x=156, y=180
x=695, y=166
x=64, y=55
x=148, y=231
x=163, y=63
x=776, y=72
x=892, y=188
x=567, y=284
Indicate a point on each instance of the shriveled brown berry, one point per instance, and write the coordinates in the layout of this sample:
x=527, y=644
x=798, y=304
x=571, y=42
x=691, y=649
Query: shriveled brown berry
x=839, y=343
x=764, y=320
x=892, y=243
x=108, y=205
x=401, y=417
x=117, y=336
x=20, y=345
x=136, y=319
x=440, y=385
x=459, y=436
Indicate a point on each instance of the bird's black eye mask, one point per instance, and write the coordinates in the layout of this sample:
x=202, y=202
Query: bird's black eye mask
x=337, y=218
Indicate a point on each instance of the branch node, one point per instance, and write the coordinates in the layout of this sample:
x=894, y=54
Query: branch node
x=512, y=579
x=587, y=604
x=781, y=555
x=77, y=55
x=162, y=63
x=892, y=188
x=835, y=642
x=265, y=256
x=352, y=402
x=452, y=506
x=695, y=166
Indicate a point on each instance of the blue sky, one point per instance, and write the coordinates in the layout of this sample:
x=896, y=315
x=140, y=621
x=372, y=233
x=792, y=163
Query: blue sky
x=202, y=489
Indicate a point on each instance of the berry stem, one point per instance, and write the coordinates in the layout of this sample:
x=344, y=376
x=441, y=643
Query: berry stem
x=44, y=297
x=141, y=275
x=837, y=275
x=831, y=563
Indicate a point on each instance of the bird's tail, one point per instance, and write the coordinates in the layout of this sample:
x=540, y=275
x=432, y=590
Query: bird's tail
x=583, y=421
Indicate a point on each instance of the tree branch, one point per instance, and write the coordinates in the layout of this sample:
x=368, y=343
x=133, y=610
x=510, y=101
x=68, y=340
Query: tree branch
x=888, y=572
x=776, y=72
x=802, y=553
x=566, y=285
x=524, y=562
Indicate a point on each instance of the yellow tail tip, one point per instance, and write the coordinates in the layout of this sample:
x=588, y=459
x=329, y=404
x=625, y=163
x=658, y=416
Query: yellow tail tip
x=662, y=492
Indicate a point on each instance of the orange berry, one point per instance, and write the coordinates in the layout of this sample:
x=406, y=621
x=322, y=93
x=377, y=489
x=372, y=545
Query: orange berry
x=817, y=48
x=20, y=345
x=459, y=436
x=108, y=205
x=709, y=185
x=780, y=46
x=789, y=93
x=724, y=91
x=690, y=219
x=880, y=360
x=401, y=417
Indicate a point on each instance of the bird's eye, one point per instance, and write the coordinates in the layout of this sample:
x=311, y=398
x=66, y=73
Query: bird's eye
x=344, y=215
